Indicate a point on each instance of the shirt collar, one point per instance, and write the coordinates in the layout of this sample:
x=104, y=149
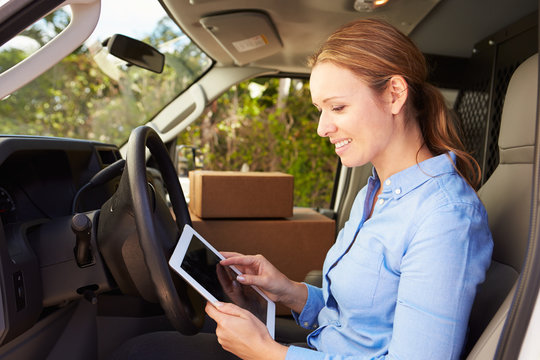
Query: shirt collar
x=409, y=179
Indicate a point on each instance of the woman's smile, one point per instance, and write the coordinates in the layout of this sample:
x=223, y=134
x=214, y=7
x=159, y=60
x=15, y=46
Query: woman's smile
x=342, y=143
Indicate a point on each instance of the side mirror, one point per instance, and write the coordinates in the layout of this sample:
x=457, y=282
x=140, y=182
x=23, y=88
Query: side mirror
x=135, y=52
x=184, y=163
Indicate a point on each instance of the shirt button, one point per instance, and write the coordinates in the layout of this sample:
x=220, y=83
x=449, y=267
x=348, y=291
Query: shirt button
x=397, y=191
x=306, y=324
x=388, y=182
x=381, y=201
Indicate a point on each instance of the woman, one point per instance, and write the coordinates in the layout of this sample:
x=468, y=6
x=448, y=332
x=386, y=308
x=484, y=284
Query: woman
x=401, y=278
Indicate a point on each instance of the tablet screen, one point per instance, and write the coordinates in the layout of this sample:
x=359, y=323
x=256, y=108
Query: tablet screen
x=203, y=265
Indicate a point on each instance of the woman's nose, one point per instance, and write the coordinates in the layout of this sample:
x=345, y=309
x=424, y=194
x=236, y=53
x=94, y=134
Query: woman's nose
x=326, y=125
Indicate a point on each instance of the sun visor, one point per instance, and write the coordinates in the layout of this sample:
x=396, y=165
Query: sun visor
x=245, y=36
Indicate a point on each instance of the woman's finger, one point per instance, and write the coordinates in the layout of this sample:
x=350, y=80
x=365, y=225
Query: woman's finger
x=212, y=311
x=244, y=260
x=228, y=254
x=219, y=309
x=231, y=309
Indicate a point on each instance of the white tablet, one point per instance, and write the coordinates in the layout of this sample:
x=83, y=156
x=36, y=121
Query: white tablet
x=195, y=260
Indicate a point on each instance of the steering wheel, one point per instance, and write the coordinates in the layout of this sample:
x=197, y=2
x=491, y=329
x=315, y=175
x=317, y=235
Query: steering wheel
x=181, y=308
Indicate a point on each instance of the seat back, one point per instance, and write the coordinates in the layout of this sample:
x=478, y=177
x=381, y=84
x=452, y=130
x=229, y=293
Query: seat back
x=507, y=198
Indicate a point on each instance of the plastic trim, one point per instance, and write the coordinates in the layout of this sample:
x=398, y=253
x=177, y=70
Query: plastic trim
x=85, y=16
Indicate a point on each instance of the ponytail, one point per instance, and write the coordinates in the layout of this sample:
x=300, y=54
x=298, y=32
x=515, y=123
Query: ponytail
x=441, y=134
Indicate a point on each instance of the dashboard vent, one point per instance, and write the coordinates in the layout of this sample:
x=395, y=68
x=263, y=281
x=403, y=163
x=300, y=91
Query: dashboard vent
x=108, y=156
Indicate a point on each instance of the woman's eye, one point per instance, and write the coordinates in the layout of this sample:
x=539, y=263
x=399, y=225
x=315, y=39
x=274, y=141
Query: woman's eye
x=338, y=108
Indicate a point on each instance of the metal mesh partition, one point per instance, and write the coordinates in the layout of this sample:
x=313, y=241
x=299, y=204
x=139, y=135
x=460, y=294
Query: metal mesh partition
x=472, y=109
x=501, y=80
x=481, y=100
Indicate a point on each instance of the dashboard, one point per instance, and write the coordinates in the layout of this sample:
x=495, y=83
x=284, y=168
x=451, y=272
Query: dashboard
x=39, y=180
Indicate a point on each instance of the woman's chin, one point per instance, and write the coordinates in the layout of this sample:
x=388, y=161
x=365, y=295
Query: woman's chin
x=350, y=163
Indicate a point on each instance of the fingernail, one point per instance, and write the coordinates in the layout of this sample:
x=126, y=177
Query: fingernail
x=240, y=278
x=218, y=304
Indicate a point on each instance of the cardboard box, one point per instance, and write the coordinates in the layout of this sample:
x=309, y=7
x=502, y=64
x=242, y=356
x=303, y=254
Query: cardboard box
x=231, y=194
x=295, y=245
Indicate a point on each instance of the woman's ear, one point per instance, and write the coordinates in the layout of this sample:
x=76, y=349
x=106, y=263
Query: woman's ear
x=399, y=90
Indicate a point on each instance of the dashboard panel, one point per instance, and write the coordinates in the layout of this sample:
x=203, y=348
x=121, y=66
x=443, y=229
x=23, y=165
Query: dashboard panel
x=39, y=178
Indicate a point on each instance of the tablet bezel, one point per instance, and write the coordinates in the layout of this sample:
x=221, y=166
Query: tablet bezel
x=177, y=258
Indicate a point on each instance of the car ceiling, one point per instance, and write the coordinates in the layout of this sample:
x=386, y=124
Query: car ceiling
x=438, y=27
x=443, y=27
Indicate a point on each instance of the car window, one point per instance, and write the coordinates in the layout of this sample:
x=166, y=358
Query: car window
x=266, y=124
x=91, y=94
x=33, y=38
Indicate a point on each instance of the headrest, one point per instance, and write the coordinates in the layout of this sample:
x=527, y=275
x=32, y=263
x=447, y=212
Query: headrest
x=518, y=121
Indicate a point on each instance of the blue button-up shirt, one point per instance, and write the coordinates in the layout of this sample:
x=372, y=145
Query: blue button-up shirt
x=400, y=284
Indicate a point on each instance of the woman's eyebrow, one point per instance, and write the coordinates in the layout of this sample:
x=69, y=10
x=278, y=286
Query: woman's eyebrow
x=325, y=100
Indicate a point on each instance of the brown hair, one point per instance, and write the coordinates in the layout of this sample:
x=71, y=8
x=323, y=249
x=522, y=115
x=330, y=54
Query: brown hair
x=375, y=51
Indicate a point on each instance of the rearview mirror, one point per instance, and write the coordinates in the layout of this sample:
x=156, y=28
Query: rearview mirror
x=135, y=52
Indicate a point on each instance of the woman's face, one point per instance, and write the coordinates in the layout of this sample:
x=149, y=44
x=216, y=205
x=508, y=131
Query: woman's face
x=357, y=121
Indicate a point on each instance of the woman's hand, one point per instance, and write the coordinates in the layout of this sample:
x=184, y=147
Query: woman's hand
x=257, y=270
x=241, y=333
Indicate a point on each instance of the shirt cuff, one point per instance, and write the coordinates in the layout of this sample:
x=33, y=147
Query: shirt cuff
x=315, y=302
x=300, y=353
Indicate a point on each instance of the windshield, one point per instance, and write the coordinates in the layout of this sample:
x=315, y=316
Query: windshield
x=91, y=94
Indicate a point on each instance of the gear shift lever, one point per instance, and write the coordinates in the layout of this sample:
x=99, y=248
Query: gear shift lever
x=81, y=225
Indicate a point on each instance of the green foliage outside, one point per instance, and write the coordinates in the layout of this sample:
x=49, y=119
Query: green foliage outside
x=78, y=99
x=268, y=132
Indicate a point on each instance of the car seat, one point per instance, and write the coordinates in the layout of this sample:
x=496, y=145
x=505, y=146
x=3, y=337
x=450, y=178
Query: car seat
x=507, y=198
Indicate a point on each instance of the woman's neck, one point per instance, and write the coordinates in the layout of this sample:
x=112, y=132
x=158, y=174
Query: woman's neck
x=405, y=151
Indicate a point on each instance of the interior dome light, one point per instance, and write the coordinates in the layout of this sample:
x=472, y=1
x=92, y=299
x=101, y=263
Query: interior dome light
x=368, y=5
